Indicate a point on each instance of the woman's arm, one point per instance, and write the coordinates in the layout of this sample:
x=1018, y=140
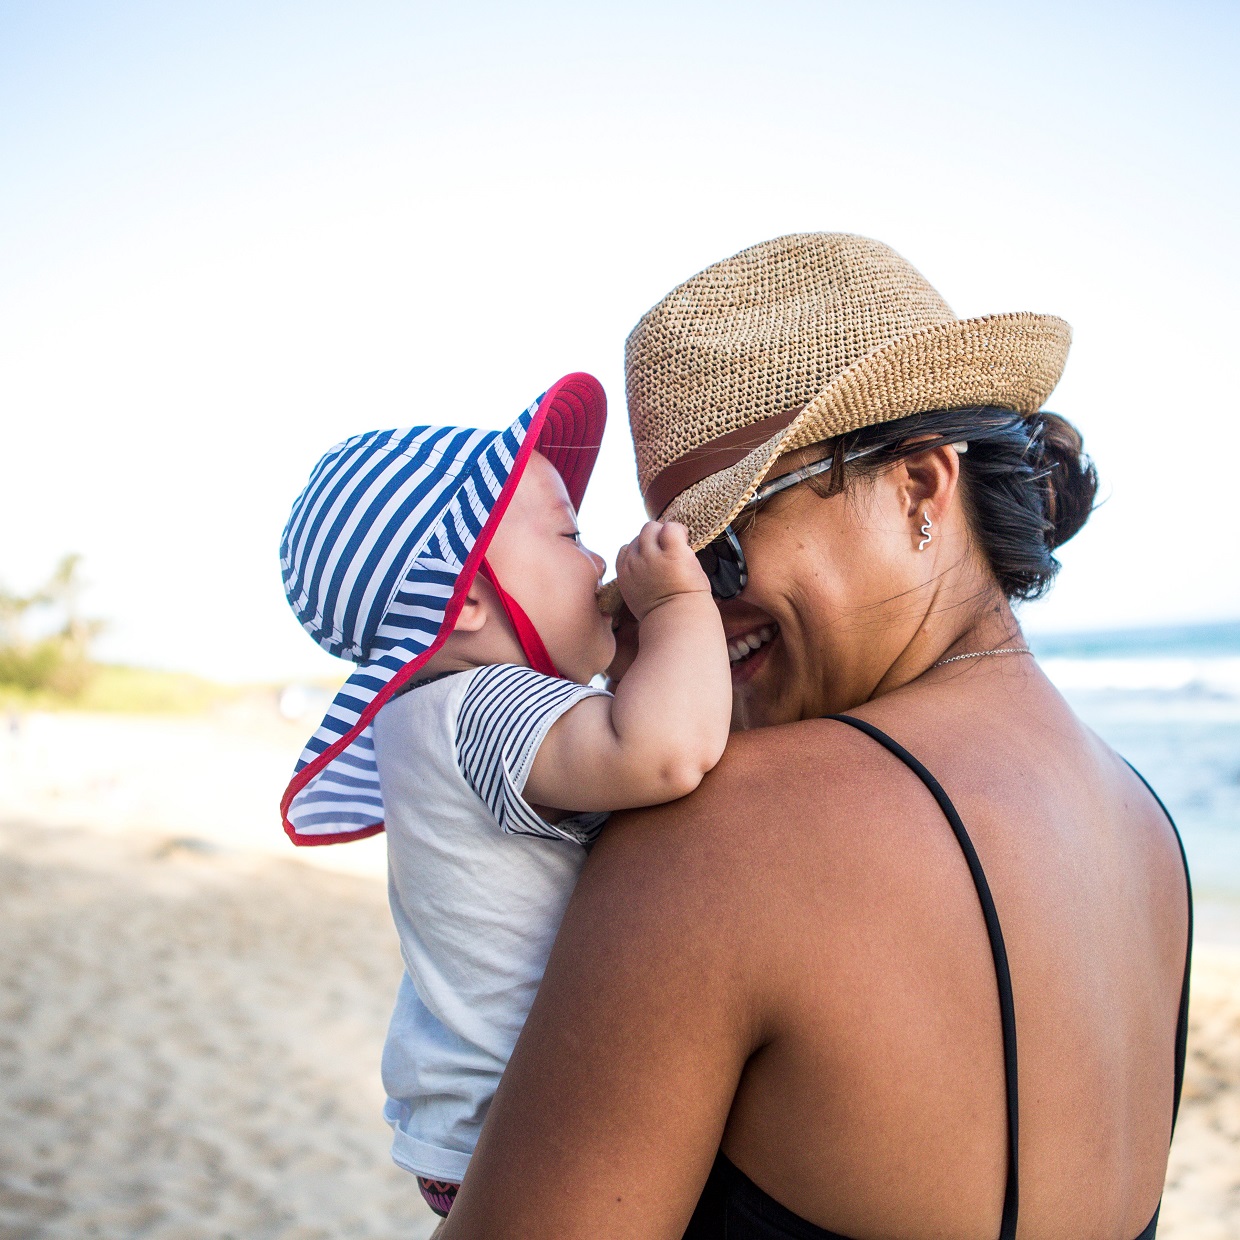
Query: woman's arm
x=612, y=1107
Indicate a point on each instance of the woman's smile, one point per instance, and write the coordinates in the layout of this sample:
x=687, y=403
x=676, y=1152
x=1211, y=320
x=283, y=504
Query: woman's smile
x=751, y=633
x=744, y=645
x=749, y=649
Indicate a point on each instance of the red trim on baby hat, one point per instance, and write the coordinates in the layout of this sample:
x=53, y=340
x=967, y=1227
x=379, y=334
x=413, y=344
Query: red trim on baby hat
x=527, y=634
x=464, y=580
x=334, y=837
x=573, y=455
x=573, y=432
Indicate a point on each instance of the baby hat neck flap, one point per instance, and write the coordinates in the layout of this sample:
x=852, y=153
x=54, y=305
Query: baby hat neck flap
x=378, y=555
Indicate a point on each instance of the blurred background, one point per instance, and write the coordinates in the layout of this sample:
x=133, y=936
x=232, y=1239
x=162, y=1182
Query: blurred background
x=234, y=234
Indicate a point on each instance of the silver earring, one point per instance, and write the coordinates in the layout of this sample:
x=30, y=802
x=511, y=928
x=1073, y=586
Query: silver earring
x=925, y=529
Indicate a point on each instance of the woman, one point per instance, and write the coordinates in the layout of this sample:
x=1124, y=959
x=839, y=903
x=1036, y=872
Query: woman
x=832, y=994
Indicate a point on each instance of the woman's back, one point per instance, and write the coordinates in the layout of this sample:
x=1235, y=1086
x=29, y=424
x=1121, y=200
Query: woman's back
x=877, y=1106
x=799, y=973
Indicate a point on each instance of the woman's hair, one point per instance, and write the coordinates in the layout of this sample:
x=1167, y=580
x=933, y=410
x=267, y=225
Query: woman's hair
x=1027, y=484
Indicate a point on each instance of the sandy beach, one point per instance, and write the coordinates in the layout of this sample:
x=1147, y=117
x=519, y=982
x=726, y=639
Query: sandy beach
x=191, y=1043
x=192, y=1015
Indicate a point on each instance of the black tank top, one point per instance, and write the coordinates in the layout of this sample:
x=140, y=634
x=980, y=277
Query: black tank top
x=733, y=1207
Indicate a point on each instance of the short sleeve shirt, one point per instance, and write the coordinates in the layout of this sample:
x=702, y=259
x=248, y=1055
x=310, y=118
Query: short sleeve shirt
x=477, y=883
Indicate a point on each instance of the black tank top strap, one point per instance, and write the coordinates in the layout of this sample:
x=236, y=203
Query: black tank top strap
x=998, y=950
x=1181, y=1028
x=732, y=1205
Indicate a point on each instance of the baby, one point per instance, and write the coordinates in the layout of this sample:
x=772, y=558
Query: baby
x=471, y=729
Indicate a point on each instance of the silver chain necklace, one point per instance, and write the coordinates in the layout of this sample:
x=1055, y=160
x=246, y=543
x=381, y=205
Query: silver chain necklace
x=981, y=654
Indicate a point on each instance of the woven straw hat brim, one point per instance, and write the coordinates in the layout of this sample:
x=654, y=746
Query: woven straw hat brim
x=1012, y=361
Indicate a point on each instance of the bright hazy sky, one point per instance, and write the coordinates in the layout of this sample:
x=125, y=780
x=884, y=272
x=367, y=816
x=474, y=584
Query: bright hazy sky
x=232, y=234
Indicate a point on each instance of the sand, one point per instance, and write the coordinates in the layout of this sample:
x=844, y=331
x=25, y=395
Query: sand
x=190, y=1044
x=1202, y=1197
x=191, y=1016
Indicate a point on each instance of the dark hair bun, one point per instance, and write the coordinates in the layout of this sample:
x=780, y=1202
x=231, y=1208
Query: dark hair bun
x=1071, y=482
x=1027, y=484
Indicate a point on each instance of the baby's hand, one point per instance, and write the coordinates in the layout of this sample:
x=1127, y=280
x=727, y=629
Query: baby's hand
x=658, y=565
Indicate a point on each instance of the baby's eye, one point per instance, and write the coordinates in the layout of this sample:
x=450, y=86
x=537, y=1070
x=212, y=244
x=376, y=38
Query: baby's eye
x=575, y=535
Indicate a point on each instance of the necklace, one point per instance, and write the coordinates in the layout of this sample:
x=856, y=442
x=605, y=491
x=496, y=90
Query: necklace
x=981, y=654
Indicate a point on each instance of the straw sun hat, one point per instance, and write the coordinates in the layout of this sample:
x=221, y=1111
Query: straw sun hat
x=795, y=341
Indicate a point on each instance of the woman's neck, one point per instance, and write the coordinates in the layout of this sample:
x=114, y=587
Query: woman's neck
x=983, y=621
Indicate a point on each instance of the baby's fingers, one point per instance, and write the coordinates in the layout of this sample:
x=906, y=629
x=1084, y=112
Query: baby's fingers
x=630, y=556
x=673, y=536
x=647, y=542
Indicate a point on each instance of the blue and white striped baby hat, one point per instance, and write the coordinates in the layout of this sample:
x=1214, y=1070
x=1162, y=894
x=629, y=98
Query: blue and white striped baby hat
x=377, y=557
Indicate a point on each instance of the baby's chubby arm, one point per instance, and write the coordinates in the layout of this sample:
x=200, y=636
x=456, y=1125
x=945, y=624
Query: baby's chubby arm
x=667, y=724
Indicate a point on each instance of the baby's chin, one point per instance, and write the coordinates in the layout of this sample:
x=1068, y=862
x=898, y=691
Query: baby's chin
x=595, y=663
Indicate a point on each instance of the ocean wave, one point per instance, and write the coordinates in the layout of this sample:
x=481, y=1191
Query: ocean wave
x=1216, y=677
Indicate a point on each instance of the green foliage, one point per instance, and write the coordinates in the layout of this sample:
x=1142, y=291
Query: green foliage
x=142, y=690
x=115, y=689
x=56, y=664
x=46, y=664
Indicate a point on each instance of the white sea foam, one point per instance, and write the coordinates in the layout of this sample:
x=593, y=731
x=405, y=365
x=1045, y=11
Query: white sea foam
x=1176, y=717
x=1218, y=676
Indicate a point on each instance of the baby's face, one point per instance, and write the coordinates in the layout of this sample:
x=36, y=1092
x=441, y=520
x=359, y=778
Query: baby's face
x=538, y=557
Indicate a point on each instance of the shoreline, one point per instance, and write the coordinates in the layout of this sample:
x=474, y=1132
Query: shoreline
x=218, y=777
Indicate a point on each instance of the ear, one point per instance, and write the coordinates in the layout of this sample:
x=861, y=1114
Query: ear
x=927, y=482
x=474, y=611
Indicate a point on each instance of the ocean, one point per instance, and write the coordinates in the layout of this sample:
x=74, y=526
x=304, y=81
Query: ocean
x=1168, y=700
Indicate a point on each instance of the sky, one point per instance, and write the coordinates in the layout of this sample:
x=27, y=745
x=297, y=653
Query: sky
x=233, y=234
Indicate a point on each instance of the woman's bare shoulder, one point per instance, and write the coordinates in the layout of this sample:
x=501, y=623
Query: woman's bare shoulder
x=798, y=797
x=770, y=769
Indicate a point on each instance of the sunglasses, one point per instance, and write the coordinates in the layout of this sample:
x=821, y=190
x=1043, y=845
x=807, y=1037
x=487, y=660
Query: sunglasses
x=723, y=560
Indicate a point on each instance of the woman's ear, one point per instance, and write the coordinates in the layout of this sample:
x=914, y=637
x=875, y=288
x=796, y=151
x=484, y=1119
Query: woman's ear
x=929, y=481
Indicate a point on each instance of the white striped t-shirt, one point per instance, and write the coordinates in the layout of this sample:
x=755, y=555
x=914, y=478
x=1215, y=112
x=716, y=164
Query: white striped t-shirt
x=505, y=713
x=477, y=883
